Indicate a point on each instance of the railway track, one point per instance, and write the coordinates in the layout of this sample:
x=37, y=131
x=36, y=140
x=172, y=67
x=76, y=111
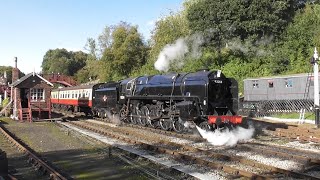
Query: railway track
x=43, y=167
x=187, y=153
x=279, y=151
x=289, y=131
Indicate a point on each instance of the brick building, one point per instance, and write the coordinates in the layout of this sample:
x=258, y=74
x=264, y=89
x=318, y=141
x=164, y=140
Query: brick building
x=31, y=96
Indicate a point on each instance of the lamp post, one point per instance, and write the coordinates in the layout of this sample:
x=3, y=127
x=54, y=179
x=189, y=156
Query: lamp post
x=316, y=86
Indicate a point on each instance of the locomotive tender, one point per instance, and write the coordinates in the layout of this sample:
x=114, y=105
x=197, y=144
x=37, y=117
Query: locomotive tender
x=206, y=98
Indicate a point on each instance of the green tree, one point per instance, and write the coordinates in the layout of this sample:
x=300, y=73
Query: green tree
x=8, y=70
x=298, y=41
x=63, y=61
x=225, y=19
x=77, y=62
x=91, y=47
x=126, y=53
x=51, y=56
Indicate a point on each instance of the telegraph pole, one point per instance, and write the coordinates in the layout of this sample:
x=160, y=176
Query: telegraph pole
x=316, y=86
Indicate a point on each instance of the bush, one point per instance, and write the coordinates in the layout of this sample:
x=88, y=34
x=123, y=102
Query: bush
x=5, y=102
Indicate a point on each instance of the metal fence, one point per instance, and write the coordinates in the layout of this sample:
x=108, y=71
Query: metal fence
x=267, y=108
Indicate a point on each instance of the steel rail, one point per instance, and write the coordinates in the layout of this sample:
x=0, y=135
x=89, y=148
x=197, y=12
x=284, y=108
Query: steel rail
x=40, y=164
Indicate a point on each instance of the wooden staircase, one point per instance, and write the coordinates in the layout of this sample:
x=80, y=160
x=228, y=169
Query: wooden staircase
x=25, y=114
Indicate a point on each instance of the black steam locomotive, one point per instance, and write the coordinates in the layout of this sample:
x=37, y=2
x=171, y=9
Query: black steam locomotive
x=171, y=101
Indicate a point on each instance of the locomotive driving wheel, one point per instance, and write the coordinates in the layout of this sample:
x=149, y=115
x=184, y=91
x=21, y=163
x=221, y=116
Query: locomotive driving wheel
x=145, y=115
x=178, y=125
x=135, y=116
x=165, y=124
x=154, y=112
x=123, y=114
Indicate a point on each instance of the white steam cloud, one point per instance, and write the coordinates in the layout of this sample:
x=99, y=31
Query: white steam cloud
x=174, y=54
x=246, y=47
x=114, y=118
x=227, y=138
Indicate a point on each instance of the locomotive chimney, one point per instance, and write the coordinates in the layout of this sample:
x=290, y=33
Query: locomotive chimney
x=15, y=70
x=15, y=62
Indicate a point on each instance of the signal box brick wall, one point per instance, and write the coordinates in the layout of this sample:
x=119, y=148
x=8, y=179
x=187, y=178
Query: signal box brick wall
x=15, y=74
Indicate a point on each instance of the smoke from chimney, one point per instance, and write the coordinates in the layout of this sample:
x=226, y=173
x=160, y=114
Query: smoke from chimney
x=174, y=55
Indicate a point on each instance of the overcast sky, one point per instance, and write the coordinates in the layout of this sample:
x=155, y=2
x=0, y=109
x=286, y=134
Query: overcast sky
x=28, y=29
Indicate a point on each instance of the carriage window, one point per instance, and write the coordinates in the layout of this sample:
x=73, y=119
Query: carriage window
x=270, y=82
x=255, y=84
x=288, y=83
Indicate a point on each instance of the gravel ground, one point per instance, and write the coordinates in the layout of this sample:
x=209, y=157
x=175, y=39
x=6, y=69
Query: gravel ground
x=77, y=155
x=313, y=148
x=256, y=156
x=160, y=158
x=269, y=160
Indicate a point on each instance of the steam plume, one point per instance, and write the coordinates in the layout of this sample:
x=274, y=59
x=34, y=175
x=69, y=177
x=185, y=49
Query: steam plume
x=114, y=118
x=174, y=54
x=227, y=138
x=257, y=48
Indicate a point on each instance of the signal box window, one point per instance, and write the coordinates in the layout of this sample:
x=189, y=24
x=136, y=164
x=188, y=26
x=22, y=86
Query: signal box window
x=288, y=83
x=270, y=82
x=37, y=94
x=255, y=84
